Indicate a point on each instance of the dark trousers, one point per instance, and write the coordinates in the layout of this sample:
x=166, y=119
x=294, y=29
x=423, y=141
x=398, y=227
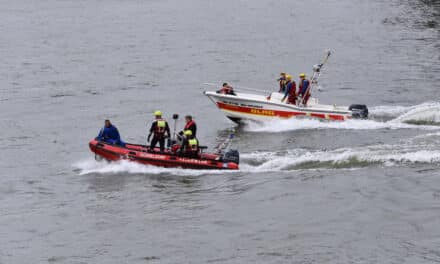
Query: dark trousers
x=161, y=141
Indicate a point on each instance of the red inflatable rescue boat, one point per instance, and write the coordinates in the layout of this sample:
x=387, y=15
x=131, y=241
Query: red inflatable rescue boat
x=141, y=154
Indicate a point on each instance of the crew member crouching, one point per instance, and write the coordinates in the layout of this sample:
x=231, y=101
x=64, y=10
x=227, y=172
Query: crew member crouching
x=226, y=89
x=190, y=145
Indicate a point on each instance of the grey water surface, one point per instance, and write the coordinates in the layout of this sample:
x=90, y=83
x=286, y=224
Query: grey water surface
x=364, y=191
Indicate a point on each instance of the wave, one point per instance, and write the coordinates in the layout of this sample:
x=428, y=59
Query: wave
x=387, y=155
x=397, y=110
x=424, y=116
x=90, y=166
x=409, y=153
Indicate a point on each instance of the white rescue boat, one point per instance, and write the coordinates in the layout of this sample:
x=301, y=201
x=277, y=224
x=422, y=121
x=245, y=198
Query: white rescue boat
x=256, y=107
x=250, y=106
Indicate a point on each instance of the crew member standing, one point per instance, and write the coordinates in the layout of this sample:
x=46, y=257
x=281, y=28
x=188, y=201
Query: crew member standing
x=290, y=91
x=160, y=130
x=304, y=90
x=282, y=81
x=190, y=125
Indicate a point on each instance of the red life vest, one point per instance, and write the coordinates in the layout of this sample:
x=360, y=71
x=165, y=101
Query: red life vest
x=189, y=124
x=292, y=91
x=226, y=90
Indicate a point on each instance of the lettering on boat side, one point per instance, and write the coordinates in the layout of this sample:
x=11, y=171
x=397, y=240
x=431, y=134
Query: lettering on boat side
x=230, y=103
x=241, y=104
x=254, y=106
x=262, y=112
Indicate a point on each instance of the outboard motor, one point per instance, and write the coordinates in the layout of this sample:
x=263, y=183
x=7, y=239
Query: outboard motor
x=231, y=155
x=358, y=111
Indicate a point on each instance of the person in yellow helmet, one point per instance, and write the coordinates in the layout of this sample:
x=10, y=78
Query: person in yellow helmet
x=190, y=145
x=290, y=92
x=304, y=88
x=160, y=131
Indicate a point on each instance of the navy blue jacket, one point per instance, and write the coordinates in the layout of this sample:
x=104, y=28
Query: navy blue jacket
x=289, y=86
x=110, y=135
x=303, y=86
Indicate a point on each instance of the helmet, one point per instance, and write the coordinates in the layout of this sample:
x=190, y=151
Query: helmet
x=289, y=77
x=158, y=113
x=188, y=132
x=283, y=73
x=302, y=75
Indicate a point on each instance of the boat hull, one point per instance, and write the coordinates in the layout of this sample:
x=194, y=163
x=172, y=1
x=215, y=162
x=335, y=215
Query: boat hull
x=141, y=154
x=257, y=107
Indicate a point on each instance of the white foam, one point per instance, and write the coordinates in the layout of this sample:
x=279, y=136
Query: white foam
x=428, y=112
x=395, y=111
x=425, y=113
x=389, y=111
x=278, y=125
x=388, y=155
x=89, y=166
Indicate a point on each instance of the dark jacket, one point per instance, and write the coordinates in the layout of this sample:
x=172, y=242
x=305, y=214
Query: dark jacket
x=186, y=148
x=110, y=135
x=303, y=85
x=156, y=131
x=191, y=125
x=290, y=89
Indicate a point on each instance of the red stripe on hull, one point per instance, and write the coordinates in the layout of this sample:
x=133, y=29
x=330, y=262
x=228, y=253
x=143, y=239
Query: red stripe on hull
x=276, y=113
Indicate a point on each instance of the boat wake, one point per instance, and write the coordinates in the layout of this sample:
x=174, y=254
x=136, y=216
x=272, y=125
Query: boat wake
x=344, y=158
x=425, y=116
x=91, y=166
x=417, y=150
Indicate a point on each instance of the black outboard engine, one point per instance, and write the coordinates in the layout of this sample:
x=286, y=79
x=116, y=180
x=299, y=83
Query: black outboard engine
x=359, y=111
x=231, y=155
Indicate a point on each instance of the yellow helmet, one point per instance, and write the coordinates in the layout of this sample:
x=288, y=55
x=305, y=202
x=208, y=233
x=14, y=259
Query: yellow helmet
x=158, y=113
x=188, y=132
x=289, y=77
x=302, y=75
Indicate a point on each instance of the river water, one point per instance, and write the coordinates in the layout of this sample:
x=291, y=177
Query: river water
x=362, y=191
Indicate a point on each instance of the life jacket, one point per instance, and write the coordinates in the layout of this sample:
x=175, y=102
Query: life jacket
x=292, y=91
x=189, y=124
x=160, y=127
x=192, y=145
x=226, y=90
x=303, y=85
